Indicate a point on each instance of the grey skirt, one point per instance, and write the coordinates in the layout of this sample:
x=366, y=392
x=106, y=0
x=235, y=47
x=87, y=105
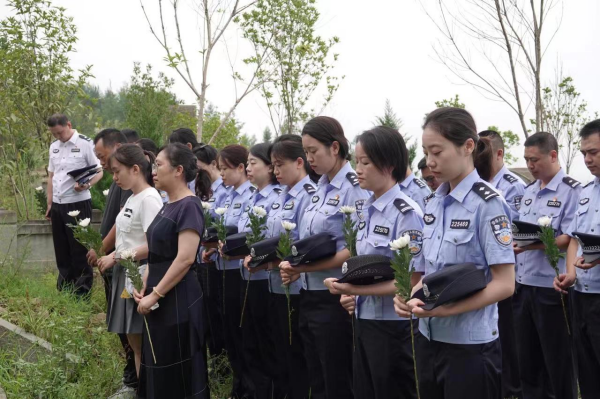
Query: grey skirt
x=122, y=317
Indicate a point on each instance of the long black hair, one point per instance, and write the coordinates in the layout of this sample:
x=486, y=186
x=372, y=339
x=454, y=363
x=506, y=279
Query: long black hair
x=205, y=154
x=129, y=155
x=386, y=148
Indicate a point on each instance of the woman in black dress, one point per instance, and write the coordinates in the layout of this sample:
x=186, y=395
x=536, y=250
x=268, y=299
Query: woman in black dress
x=176, y=330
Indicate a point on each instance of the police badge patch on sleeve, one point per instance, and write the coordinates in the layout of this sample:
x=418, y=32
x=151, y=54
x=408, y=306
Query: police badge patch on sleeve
x=502, y=230
x=517, y=201
x=416, y=241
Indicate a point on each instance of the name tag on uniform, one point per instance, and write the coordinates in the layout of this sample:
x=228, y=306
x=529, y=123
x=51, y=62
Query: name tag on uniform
x=333, y=201
x=237, y=206
x=554, y=204
x=75, y=150
x=213, y=199
x=460, y=224
x=384, y=231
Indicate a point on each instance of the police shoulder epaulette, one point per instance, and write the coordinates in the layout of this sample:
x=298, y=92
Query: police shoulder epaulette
x=484, y=191
x=510, y=178
x=419, y=183
x=588, y=184
x=86, y=138
x=570, y=182
x=252, y=189
x=430, y=196
x=310, y=188
x=352, y=178
x=277, y=190
x=402, y=205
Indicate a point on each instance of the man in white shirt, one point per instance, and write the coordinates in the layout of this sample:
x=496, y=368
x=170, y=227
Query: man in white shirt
x=70, y=151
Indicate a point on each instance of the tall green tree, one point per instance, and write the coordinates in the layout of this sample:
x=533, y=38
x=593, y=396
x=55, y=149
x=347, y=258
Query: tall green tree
x=390, y=119
x=450, y=102
x=291, y=59
x=229, y=133
x=267, y=136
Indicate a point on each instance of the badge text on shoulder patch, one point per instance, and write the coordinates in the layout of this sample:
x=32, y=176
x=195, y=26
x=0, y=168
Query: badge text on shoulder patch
x=416, y=241
x=502, y=230
x=460, y=224
x=419, y=183
x=384, y=231
x=517, y=201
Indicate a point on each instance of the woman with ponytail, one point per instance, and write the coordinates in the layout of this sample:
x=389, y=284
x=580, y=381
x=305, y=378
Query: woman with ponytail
x=132, y=170
x=466, y=221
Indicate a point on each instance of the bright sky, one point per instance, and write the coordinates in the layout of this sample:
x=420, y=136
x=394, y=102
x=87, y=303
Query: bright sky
x=385, y=52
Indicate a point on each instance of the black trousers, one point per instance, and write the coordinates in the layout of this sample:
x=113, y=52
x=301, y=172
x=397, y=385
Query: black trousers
x=457, y=371
x=292, y=380
x=326, y=331
x=511, y=379
x=71, y=261
x=586, y=334
x=129, y=372
x=383, y=362
x=232, y=333
x=258, y=348
x=544, y=346
x=212, y=285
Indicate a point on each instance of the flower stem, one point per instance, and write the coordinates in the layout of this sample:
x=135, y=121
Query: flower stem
x=245, y=298
x=224, y=288
x=412, y=341
x=290, y=310
x=150, y=339
x=562, y=300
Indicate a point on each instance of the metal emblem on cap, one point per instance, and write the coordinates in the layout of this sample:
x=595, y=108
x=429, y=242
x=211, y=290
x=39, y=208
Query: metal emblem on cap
x=252, y=253
x=294, y=251
x=426, y=291
x=345, y=268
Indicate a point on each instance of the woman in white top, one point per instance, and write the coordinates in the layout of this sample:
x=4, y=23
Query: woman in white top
x=132, y=170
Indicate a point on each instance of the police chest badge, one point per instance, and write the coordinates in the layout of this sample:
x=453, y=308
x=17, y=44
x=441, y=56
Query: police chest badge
x=294, y=251
x=416, y=241
x=315, y=199
x=288, y=206
x=428, y=218
x=361, y=225
x=426, y=291
x=502, y=230
x=584, y=201
x=528, y=202
x=252, y=253
x=345, y=268
x=275, y=205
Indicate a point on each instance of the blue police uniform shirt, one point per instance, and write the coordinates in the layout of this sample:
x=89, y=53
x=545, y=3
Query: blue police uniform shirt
x=235, y=203
x=415, y=189
x=468, y=225
x=587, y=220
x=289, y=207
x=263, y=198
x=219, y=196
x=323, y=215
x=512, y=188
x=385, y=219
x=558, y=200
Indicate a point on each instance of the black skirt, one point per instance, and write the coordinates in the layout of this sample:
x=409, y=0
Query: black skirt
x=177, y=335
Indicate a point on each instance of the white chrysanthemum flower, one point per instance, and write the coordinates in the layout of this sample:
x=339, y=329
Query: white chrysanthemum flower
x=206, y=206
x=400, y=242
x=128, y=254
x=39, y=189
x=73, y=213
x=220, y=211
x=288, y=226
x=105, y=192
x=259, y=211
x=347, y=210
x=544, y=221
x=85, y=222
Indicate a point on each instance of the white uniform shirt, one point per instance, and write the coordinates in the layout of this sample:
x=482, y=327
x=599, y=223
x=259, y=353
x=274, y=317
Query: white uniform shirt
x=134, y=219
x=76, y=153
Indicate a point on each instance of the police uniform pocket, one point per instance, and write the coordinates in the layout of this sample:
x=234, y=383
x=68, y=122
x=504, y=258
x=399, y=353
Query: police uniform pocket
x=455, y=247
x=378, y=244
x=75, y=160
x=124, y=222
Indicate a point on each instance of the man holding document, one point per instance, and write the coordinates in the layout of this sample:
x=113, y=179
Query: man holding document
x=73, y=169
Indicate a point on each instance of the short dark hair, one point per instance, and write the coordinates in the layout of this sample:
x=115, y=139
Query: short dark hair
x=132, y=135
x=422, y=163
x=590, y=128
x=110, y=137
x=180, y=155
x=261, y=151
x=183, y=135
x=326, y=130
x=57, y=119
x=495, y=139
x=148, y=145
x=386, y=148
x=545, y=141
x=233, y=155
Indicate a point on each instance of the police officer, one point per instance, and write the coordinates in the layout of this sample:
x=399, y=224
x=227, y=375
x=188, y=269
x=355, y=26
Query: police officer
x=511, y=187
x=544, y=345
x=466, y=221
x=432, y=182
x=325, y=326
x=383, y=363
x=233, y=160
x=414, y=188
x=70, y=151
x=586, y=293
